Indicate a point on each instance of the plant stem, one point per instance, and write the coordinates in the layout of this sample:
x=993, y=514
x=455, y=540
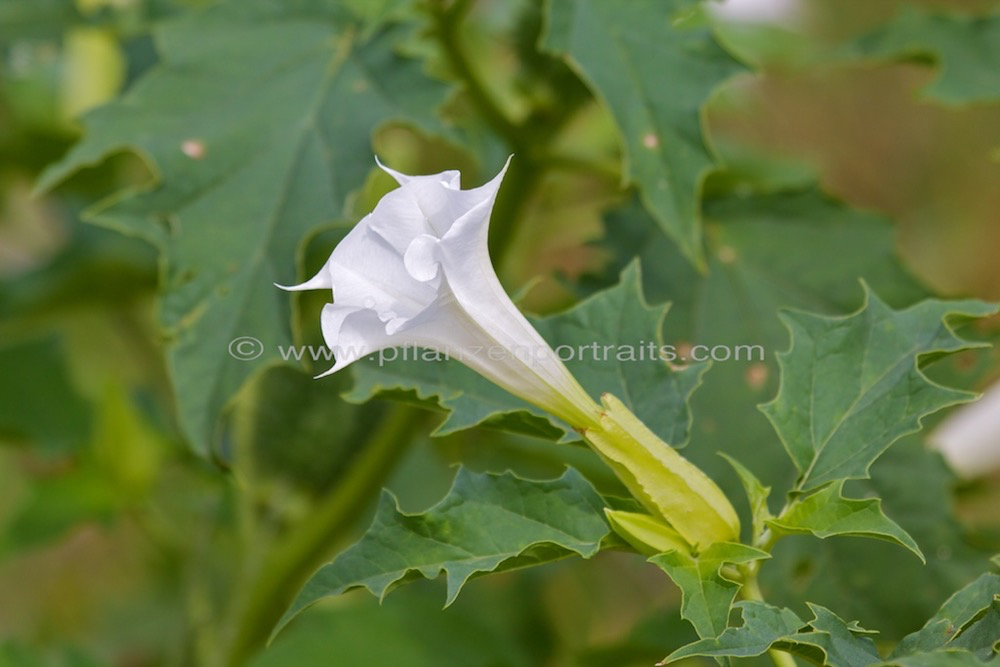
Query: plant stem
x=528, y=139
x=307, y=545
x=446, y=22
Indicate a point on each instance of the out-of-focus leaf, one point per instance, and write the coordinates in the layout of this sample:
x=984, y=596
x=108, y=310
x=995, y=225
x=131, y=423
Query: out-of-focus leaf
x=708, y=593
x=942, y=658
x=56, y=506
x=851, y=386
x=965, y=48
x=611, y=343
x=486, y=523
x=38, y=402
x=34, y=19
x=968, y=620
x=257, y=124
x=409, y=630
x=292, y=427
x=117, y=469
x=98, y=266
x=825, y=640
x=827, y=513
x=654, y=63
x=14, y=654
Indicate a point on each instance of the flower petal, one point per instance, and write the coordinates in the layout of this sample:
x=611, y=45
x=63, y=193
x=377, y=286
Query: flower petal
x=421, y=258
x=451, y=178
x=368, y=273
x=352, y=333
x=321, y=280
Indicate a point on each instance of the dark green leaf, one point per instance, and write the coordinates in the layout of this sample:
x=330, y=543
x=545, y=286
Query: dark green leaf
x=486, y=523
x=654, y=63
x=257, y=126
x=860, y=578
x=851, y=386
x=708, y=593
x=969, y=619
x=825, y=640
x=841, y=643
x=763, y=625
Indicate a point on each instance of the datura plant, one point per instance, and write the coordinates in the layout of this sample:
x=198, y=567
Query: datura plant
x=416, y=271
x=721, y=391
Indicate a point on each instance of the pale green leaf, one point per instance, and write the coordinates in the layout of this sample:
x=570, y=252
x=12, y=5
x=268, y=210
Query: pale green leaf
x=654, y=63
x=611, y=343
x=708, y=594
x=256, y=125
x=827, y=512
x=486, y=523
x=757, y=495
x=851, y=386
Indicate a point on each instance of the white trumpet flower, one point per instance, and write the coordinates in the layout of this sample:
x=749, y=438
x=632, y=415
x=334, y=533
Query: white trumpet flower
x=416, y=272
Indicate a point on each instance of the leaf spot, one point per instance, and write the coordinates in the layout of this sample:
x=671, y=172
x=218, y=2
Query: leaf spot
x=193, y=148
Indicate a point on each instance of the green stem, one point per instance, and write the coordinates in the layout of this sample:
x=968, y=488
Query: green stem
x=446, y=22
x=304, y=549
x=527, y=139
x=751, y=589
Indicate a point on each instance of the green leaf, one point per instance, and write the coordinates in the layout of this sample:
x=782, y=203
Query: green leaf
x=827, y=512
x=840, y=643
x=851, y=386
x=486, y=523
x=654, y=67
x=614, y=338
x=257, y=126
x=969, y=619
x=707, y=593
x=763, y=625
x=860, y=578
x=965, y=48
x=768, y=251
x=825, y=640
x=757, y=495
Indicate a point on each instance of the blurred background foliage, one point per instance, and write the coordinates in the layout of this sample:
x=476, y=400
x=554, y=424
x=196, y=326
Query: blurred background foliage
x=119, y=545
